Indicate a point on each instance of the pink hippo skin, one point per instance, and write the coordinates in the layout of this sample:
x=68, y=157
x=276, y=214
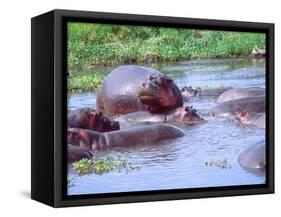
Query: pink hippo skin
x=252, y=118
x=138, y=135
x=87, y=118
x=183, y=114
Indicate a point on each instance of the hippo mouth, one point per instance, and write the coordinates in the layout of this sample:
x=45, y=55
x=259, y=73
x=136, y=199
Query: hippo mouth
x=149, y=96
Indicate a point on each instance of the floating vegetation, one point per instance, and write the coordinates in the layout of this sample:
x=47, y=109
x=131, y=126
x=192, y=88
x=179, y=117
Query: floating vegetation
x=224, y=163
x=104, y=165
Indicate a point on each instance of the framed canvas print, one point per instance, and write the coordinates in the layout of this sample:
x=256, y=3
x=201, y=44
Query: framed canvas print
x=133, y=108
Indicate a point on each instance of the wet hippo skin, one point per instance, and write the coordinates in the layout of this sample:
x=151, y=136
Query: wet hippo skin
x=250, y=104
x=238, y=93
x=75, y=153
x=138, y=135
x=251, y=118
x=132, y=88
x=253, y=158
x=183, y=114
x=88, y=118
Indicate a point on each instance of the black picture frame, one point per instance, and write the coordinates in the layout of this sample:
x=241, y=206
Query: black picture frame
x=49, y=94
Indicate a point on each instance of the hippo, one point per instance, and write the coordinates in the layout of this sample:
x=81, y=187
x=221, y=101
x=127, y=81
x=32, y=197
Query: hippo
x=258, y=53
x=251, y=104
x=252, y=118
x=137, y=135
x=239, y=93
x=75, y=153
x=132, y=88
x=88, y=118
x=213, y=92
x=253, y=158
x=183, y=114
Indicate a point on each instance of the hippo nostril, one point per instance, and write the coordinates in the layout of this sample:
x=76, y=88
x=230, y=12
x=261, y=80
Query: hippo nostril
x=115, y=125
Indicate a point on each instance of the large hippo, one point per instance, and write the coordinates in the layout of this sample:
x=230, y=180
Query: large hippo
x=238, y=93
x=250, y=104
x=252, y=118
x=138, y=135
x=75, y=153
x=253, y=158
x=88, y=118
x=190, y=92
x=132, y=88
x=183, y=114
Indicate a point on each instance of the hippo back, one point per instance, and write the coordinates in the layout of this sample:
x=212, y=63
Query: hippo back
x=238, y=93
x=250, y=104
x=253, y=157
x=118, y=94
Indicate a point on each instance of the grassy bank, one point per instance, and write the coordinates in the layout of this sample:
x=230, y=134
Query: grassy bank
x=95, y=45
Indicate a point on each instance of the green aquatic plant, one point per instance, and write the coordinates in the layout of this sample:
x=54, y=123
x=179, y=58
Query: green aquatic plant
x=104, y=165
x=224, y=163
x=84, y=81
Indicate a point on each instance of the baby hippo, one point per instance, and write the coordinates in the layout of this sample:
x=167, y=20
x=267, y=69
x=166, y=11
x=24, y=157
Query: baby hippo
x=75, y=153
x=87, y=118
x=138, y=135
x=253, y=118
x=183, y=114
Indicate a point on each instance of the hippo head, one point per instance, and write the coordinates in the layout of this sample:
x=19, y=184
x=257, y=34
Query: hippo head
x=83, y=138
x=242, y=117
x=160, y=94
x=190, y=92
x=104, y=124
x=186, y=114
x=87, y=118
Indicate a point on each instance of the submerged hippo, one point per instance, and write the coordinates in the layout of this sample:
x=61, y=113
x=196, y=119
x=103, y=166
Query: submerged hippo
x=252, y=118
x=183, y=114
x=132, y=88
x=189, y=91
x=251, y=104
x=75, y=153
x=253, y=158
x=87, y=118
x=138, y=135
x=238, y=93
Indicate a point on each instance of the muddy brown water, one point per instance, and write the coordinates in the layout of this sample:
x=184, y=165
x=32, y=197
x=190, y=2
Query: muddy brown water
x=180, y=163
